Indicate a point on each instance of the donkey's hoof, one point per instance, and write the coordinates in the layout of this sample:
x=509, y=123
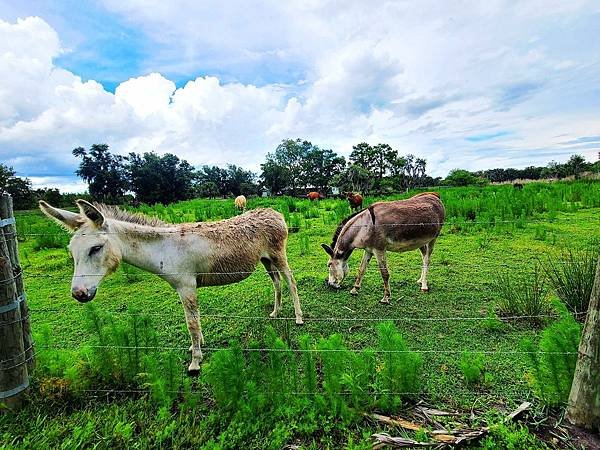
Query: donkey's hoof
x=193, y=372
x=354, y=291
x=299, y=321
x=273, y=315
x=425, y=289
x=385, y=301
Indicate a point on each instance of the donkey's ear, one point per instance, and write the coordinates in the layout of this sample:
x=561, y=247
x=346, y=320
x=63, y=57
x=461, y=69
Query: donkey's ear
x=70, y=220
x=327, y=249
x=90, y=212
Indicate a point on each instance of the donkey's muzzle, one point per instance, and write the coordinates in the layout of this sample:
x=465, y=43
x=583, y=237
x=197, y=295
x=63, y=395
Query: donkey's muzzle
x=83, y=295
x=332, y=286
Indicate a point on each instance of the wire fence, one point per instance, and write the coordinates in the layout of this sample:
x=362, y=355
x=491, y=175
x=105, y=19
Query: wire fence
x=197, y=228
x=29, y=354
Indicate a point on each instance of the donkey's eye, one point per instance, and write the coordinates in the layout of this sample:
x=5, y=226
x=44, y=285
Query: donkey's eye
x=95, y=249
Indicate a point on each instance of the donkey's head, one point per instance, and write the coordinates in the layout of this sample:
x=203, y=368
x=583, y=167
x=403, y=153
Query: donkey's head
x=95, y=251
x=338, y=267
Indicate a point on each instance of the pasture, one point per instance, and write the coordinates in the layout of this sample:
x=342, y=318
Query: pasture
x=490, y=233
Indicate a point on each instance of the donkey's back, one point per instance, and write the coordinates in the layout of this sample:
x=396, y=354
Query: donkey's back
x=409, y=222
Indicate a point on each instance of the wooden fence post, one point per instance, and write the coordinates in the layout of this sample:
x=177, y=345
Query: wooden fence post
x=584, y=399
x=14, y=375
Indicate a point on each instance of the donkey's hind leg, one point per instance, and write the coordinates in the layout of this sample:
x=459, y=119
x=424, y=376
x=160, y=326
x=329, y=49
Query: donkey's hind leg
x=426, y=251
x=275, y=277
x=385, y=275
x=281, y=264
x=423, y=254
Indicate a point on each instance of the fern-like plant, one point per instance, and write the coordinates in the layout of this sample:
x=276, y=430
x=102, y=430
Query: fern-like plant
x=553, y=361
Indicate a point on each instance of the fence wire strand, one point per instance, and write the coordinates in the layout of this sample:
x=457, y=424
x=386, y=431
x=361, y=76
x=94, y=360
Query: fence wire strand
x=177, y=227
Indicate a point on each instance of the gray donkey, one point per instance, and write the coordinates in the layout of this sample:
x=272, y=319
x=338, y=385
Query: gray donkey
x=396, y=226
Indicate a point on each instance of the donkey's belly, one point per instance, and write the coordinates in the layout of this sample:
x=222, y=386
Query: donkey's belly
x=407, y=245
x=219, y=279
x=227, y=269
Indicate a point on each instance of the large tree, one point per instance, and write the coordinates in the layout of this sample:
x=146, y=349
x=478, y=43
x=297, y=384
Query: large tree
x=320, y=167
x=19, y=188
x=213, y=179
x=160, y=179
x=240, y=181
x=104, y=172
x=274, y=176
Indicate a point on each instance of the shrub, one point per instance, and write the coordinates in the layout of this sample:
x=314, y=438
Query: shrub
x=399, y=368
x=553, y=362
x=525, y=295
x=50, y=240
x=472, y=366
x=572, y=277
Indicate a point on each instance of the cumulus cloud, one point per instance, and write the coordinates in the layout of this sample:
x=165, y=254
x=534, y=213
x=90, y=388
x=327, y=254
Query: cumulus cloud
x=459, y=85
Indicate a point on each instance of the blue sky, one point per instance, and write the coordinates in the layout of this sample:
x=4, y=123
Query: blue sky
x=463, y=84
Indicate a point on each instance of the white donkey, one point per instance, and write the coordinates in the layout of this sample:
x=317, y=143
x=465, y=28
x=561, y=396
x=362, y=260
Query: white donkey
x=187, y=255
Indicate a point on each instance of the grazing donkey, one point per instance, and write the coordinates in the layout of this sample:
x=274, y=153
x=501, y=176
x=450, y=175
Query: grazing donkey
x=396, y=226
x=187, y=256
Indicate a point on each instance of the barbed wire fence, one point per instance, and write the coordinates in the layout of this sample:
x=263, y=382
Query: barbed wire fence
x=19, y=364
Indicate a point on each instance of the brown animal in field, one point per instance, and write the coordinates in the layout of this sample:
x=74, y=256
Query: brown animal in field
x=240, y=202
x=355, y=200
x=186, y=255
x=396, y=226
x=518, y=186
x=314, y=195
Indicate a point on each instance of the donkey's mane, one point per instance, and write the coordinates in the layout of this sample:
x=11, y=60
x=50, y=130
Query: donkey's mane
x=116, y=213
x=336, y=235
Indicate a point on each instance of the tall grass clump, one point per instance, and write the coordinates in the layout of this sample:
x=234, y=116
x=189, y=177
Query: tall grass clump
x=572, y=277
x=51, y=239
x=400, y=369
x=472, y=366
x=552, y=362
x=124, y=354
x=524, y=295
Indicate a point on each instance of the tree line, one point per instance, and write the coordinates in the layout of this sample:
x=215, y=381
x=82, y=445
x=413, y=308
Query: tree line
x=293, y=168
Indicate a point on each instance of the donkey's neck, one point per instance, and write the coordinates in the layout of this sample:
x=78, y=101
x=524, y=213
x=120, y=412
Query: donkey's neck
x=143, y=246
x=346, y=242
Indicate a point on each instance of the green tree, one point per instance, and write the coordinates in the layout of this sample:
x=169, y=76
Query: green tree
x=461, y=177
x=575, y=165
x=240, y=181
x=104, y=172
x=19, y=188
x=286, y=164
x=320, y=167
x=354, y=178
x=274, y=176
x=207, y=189
x=214, y=176
x=414, y=170
x=160, y=179
x=362, y=155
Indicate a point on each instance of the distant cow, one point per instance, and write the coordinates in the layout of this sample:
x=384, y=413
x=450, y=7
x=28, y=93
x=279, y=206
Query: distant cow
x=314, y=195
x=518, y=186
x=240, y=202
x=355, y=200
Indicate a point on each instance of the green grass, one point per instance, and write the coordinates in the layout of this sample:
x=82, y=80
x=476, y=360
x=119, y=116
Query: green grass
x=490, y=230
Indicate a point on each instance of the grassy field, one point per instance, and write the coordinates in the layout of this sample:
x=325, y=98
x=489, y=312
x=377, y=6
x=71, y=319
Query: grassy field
x=490, y=232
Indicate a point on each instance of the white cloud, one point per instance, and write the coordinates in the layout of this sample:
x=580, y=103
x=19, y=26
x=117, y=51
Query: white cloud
x=423, y=79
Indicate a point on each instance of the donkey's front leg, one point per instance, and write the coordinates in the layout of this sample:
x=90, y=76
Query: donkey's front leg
x=361, y=271
x=189, y=300
x=382, y=262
